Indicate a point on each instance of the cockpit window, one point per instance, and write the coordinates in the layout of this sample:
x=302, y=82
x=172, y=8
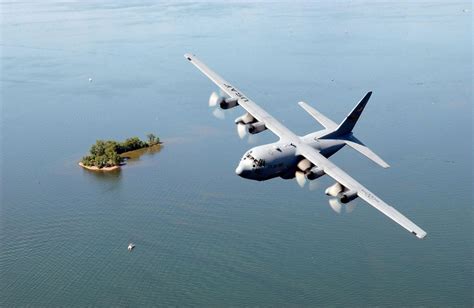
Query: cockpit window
x=256, y=162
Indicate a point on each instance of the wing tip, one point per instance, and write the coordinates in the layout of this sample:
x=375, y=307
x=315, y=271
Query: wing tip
x=421, y=235
x=188, y=56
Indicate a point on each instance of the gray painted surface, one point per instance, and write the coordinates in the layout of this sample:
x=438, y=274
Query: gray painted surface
x=262, y=164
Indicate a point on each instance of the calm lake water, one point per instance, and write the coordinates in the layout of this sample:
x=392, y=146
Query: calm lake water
x=204, y=236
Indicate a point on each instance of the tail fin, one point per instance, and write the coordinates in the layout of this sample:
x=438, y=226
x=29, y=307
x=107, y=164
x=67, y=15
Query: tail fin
x=344, y=130
x=349, y=122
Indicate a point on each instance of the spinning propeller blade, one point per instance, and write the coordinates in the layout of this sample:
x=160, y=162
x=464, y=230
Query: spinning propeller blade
x=218, y=113
x=300, y=178
x=241, y=130
x=335, y=205
x=214, y=103
x=339, y=207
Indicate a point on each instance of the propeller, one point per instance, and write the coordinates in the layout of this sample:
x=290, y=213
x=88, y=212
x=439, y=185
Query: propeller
x=339, y=192
x=313, y=185
x=218, y=113
x=241, y=130
x=300, y=174
x=335, y=205
x=300, y=178
x=214, y=102
x=339, y=207
x=243, y=133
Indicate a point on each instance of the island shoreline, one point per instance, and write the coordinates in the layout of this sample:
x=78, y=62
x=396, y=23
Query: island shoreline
x=126, y=156
x=94, y=168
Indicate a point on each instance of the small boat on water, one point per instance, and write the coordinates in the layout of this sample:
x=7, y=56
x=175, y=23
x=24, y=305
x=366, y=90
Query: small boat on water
x=131, y=246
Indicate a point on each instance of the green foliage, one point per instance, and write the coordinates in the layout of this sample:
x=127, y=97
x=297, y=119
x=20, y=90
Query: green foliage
x=152, y=139
x=133, y=143
x=88, y=160
x=106, y=153
x=98, y=148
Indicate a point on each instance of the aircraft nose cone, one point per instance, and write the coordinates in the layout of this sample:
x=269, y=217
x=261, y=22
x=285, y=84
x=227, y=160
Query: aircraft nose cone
x=239, y=170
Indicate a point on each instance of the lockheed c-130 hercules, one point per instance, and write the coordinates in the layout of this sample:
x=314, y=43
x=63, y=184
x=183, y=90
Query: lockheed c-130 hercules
x=301, y=157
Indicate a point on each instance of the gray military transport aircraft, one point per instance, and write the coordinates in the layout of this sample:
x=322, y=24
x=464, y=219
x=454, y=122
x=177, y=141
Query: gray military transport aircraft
x=301, y=157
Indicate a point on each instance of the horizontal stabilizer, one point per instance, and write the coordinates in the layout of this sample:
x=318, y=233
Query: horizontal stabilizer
x=322, y=119
x=357, y=145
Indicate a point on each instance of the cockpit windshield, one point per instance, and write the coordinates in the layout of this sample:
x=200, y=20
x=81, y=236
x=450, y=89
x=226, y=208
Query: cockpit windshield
x=256, y=162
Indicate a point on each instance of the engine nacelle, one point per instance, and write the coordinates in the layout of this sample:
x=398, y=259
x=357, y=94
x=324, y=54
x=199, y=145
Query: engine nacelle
x=304, y=165
x=245, y=119
x=228, y=103
x=348, y=196
x=315, y=173
x=334, y=190
x=256, y=128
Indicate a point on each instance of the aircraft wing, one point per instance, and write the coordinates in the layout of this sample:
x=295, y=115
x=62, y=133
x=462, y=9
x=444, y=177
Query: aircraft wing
x=251, y=107
x=347, y=181
x=305, y=150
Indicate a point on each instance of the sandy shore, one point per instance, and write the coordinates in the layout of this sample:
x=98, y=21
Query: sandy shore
x=94, y=168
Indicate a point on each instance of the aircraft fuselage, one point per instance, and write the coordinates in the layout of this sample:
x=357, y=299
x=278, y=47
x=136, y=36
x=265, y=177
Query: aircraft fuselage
x=280, y=159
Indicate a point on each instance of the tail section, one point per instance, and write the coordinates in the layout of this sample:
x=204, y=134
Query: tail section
x=350, y=121
x=346, y=126
x=343, y=131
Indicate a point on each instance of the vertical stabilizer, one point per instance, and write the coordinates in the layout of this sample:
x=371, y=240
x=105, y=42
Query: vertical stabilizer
x=344, y=132
x=349, y=122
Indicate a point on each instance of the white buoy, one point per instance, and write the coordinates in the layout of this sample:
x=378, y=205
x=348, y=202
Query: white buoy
x=131, y=246
x=90, y=79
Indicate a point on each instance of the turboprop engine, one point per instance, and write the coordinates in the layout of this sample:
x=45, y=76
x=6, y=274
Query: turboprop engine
x=248, y=124
x=343, y=194
x=315, y=173
x=334, y=189
x=256, y=127
x=220, y=100
x=305, y=170
x=342, y=197
x=348, y=196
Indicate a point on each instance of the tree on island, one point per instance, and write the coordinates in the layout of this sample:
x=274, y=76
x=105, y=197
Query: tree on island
x=152, y=139
x=106, y=153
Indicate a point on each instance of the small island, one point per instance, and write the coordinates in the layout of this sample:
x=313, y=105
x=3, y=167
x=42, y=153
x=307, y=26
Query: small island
x=109, y=155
